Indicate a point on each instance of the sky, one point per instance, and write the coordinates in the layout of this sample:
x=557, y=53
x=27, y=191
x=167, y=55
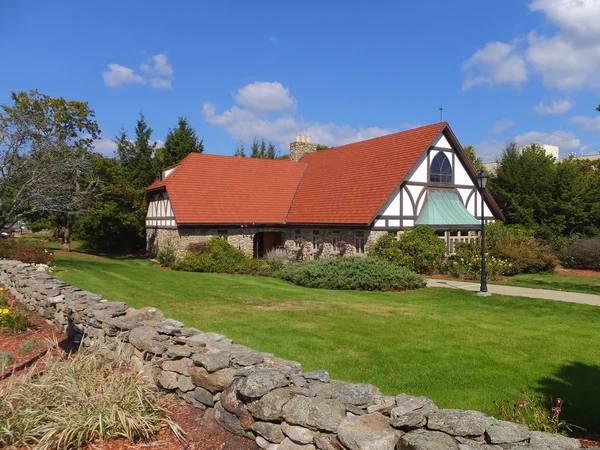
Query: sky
x=339, y=71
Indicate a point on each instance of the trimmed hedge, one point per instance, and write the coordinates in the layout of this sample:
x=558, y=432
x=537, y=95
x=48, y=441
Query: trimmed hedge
x=363, y=274
x=584, y=254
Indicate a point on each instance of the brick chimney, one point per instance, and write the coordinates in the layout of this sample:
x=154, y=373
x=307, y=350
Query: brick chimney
x=301, y=147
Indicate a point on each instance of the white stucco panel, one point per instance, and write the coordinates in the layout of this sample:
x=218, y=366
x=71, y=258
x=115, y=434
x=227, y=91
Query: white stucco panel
x=408, y=223
x=380, y=223
x=460, y=175
x=394, y=207
x=420, y=175
x=407, y=209
x=393, y=222
x=421, y=202
x=471, y=204
x=415, y=191
x=442, y=142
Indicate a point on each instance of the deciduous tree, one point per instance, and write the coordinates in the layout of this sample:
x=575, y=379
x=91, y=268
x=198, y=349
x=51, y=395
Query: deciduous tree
x=472, y=156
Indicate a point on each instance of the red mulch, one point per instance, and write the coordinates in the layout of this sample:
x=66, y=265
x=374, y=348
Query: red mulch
x=161, y=267
x=74, y=253
x=577, y=272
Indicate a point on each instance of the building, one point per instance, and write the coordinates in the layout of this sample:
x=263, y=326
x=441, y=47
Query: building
x=321, y=203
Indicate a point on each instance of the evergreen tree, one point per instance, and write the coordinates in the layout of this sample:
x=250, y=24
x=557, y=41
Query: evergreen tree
x=263, y=149
x=255, y=149
x=239, y=150
x=270, y=151
x=180, y=142
x=136, y=157
x=472, y=156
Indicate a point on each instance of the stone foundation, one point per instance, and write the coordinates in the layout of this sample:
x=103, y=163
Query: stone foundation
x=256, y=394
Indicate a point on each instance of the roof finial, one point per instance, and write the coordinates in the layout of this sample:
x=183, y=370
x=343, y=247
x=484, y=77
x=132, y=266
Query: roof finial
x=441, y=113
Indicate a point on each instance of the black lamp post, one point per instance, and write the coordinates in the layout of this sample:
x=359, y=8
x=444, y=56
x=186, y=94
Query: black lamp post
x=481, y=184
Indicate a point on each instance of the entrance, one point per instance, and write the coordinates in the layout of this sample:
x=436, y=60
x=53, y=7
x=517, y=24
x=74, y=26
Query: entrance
x=265, y=241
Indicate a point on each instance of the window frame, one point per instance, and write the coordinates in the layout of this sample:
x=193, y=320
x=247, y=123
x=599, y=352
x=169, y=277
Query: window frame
x=443, y=178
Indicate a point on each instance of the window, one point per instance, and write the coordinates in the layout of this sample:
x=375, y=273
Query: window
x=222, y=233
x=298, y=234
x=359, y=241
x=441, y=171
x=315, y=238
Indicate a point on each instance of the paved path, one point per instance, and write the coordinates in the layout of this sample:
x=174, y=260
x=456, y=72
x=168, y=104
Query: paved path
x=573, y=297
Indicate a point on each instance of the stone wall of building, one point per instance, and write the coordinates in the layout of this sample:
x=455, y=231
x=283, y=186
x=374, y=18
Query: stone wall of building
x=325, y=241
x=256, y=394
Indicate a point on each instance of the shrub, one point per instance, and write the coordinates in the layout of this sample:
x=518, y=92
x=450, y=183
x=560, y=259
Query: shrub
x=535, y=412
x=166, y=256
x=584, y=254
x=418, y=249
x=466, y=263
x=29, y=346
x=364, y=274
x=13, y=320
x=525, y=255
x=217, y=256
x=28, y=252
x=196, y=247
x=77, y=401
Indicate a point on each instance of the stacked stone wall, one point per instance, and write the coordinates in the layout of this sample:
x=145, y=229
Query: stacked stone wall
x=256, y=394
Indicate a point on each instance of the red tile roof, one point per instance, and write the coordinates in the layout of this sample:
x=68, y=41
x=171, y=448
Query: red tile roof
x=341, y=185
x=211, y=189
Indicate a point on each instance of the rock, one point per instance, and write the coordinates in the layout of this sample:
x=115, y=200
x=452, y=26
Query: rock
x=549, y=441
x=213, y=382
x=358, y=394
x=314, y=413
x=230, y=422
x=181, y=366
x=212, y=361
x=262, y=442
x=427, y=440
x=501, y=432
x=383, y=404
x=203, y=396
x=407, y=403
x=144, y=338
x=169, y=326
x=270, y=407
x=146, y=316
x=458, y=423
x=185, y=383
x=409, y=421
x=189, y=397
x=317, y=375
x=188, y=331
x=230, y=401
x=287, y=444
x=178, y=351
x=326, y=441
x=368, y=432
x=299, y=435
x=270, y=431
x=248, y=359
x=204, y=338
x=258, y=384
x=168, y=380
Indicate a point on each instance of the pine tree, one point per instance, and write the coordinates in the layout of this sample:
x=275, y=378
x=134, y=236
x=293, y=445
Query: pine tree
x=255, y=149
x=181, y=142
x=263, y=149
x=270, y=151
x=136, y=157
x=239, y=150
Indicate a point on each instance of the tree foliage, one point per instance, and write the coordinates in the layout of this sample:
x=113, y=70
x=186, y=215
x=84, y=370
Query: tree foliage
x=136, y=157
x=472, y=156
x=179, y=143
x=260, y=149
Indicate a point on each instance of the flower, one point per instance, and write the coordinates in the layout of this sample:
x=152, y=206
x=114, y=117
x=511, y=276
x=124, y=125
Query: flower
x=4, y=311
x=556, y=409
x=522, y=404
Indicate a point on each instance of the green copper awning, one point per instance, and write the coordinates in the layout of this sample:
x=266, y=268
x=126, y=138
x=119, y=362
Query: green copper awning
x=445, y=208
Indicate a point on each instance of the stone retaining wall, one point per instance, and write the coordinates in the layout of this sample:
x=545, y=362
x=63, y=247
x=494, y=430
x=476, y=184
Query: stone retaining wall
x=256, y=394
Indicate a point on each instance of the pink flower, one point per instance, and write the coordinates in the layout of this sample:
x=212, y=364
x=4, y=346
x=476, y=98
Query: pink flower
x=522, y=403
x=556, y=410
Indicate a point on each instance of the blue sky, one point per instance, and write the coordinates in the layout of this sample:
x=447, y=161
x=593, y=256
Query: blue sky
x=338, y=71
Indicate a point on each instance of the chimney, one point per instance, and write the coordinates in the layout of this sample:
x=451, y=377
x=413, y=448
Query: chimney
x=301, y=147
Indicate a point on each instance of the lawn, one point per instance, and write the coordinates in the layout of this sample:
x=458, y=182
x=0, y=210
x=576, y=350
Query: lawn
x=570, y=283
x=461, y=350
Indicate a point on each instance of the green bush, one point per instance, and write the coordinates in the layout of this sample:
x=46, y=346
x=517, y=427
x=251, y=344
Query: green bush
x=466, y=263
x=584, y=254
x=166, y=256
x=28, y=252
x=217, y=256
x=13, y=320
x=365, y=274
x=419, y=249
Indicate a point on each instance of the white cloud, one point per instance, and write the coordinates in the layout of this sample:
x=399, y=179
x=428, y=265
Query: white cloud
x=266, y=96
x=117, y=75
x=587, y=123
x=496, y=63
x=159, y=74
x=490, y=150
x=502, y=125
x=576, y=18
x=106, y=147
x=565, y=140
x=555, y=107
x=243, y=122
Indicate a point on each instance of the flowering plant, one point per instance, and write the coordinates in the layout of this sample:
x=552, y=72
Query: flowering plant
x=537, y=413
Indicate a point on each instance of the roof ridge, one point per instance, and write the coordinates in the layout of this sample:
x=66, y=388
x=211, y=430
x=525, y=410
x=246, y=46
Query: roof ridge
x=295, y=193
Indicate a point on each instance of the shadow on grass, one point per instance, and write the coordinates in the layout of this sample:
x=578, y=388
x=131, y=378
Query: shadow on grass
x=578, y=385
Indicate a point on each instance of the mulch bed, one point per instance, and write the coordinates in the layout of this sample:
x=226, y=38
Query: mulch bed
x=577, y=272
x=75, y=253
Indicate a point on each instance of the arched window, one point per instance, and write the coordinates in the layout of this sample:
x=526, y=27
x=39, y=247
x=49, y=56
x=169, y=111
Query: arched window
x=441, y=171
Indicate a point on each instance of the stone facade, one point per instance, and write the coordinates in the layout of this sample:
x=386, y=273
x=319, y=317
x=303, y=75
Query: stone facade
x=324, y=242
x=255, y=394
x=301, y=147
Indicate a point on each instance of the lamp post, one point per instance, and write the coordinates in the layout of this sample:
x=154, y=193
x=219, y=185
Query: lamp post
x=481, y=184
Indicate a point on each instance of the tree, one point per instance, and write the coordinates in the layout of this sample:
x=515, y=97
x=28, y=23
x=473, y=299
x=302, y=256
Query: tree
x=135, y=157
x=180, y=142
x=239, y=150
x=523, y=185
x=261, y=150
x=598, y=108
x=255, y=149
x=270, y=154
x=45, y=149
x=322, y=147
x=472, y=156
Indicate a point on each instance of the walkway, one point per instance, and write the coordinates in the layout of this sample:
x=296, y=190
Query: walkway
x=572, y=297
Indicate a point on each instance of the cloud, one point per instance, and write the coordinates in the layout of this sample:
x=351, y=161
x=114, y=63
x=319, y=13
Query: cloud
x=568, y=58
x=489, y=150
x=587, y=123
x=555, y=107
x=265, y=96
x=496, y=63
x=159, y=74
x=117, y=75
x=246, y=121
x=106, y=147
x=565, y=140
x=502, y=125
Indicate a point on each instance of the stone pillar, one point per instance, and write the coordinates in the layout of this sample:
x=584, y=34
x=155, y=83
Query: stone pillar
x=301, y=147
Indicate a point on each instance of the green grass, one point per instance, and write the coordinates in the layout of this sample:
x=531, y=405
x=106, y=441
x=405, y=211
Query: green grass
x=44, y=237
x=570, y=283
x=461, y=350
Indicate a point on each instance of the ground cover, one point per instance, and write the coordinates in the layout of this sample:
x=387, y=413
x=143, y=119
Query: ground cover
x=460, y=350
x=585, y=284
